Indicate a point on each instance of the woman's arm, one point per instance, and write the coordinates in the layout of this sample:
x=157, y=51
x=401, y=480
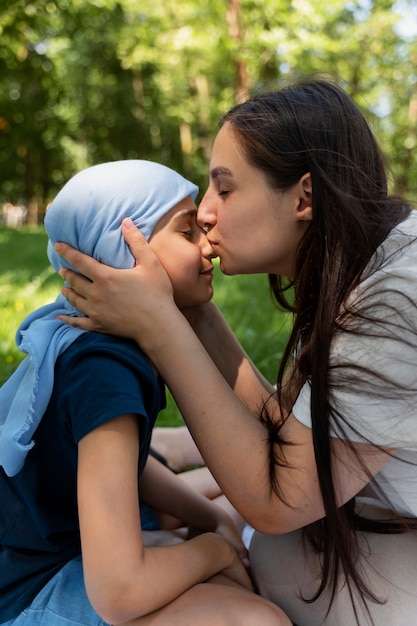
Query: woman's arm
x=125, y=580
x=228, y=355
x=99, y=295
x=231, y=439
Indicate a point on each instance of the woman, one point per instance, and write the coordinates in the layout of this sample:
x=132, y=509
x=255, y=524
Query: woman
x=298, y=190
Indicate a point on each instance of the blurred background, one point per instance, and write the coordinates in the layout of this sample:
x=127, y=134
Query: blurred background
x=84, y=82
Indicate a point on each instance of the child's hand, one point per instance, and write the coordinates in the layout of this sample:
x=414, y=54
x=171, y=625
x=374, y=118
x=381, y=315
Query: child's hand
x=238, y=573
x=233, y=571
x=227, y=529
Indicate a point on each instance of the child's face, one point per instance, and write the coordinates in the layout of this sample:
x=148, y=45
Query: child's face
x=185, y=253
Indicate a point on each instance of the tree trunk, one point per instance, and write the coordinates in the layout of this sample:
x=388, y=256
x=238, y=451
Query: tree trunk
x=237, y=34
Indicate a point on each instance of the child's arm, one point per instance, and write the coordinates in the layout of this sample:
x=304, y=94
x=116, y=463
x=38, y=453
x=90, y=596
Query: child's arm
x=125, y=580
x=168, y=493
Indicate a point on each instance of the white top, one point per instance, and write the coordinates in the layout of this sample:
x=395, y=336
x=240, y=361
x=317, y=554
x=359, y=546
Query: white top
x=380, y=406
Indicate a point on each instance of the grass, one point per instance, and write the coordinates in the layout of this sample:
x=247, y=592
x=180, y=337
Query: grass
x=27, y=282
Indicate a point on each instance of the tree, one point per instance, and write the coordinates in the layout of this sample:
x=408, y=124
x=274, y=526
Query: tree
x=84, y=82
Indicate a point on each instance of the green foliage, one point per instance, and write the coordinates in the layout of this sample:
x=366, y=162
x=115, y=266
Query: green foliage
x=27, y=282
x=84, y=82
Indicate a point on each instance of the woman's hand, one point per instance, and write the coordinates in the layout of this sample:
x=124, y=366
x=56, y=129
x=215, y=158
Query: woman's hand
x=112, y=298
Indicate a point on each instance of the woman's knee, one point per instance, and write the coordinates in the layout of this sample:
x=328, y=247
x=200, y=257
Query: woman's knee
x=280, y=561
x=231, y=604
x=260, y=611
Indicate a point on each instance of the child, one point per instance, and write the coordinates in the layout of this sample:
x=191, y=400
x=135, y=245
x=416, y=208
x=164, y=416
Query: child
x=72, y=548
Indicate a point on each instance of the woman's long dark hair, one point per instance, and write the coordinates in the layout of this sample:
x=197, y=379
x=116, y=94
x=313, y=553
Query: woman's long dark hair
x=315, y=127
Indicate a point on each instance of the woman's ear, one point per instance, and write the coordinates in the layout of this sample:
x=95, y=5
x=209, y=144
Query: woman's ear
x=306, y=183
x=305, y=209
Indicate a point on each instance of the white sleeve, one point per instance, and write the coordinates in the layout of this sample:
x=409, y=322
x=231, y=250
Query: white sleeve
x=373, y=360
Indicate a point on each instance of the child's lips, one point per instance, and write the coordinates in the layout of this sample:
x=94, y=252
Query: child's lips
x=213, y=244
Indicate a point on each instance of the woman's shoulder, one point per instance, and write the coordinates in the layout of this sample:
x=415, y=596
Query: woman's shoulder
x=396, y=257
x=404, y=233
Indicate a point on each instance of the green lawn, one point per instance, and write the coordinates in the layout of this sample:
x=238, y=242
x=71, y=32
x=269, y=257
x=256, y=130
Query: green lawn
x=27, y=282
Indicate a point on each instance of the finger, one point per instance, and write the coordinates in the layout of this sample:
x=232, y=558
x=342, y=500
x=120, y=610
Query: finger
x=78, y=283
x=77, y=322
x=77, y=301
x=134, y=238
x=244, y=557
x=85, y=264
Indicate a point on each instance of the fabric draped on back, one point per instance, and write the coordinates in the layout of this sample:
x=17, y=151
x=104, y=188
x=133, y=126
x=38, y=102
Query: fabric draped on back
x=87, y=214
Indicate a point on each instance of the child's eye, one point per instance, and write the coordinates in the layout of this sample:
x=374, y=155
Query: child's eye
x=223, y=192
x=188, y=233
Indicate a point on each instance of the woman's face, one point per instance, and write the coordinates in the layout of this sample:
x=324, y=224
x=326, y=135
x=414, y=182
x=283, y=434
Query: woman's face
x=252, y=227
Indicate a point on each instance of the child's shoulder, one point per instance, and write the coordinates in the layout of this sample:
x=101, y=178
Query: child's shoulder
x=91, y=346
x=92, y=340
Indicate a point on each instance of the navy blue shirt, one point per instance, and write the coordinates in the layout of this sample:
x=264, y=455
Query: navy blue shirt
x=98, y=378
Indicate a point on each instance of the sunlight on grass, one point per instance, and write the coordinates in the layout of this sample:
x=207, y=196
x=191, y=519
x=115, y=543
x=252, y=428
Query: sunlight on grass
x=27, y=282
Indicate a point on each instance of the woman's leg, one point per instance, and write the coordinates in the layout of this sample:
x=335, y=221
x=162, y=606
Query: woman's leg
x=200, y=479
x=177, y=446
x=284, y=570
x=178, y=449
x=219, y=602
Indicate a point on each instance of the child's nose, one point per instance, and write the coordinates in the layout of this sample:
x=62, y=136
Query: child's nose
x=205, y=246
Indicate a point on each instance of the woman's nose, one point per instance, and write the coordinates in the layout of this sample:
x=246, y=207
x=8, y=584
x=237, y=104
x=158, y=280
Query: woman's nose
x=206, y=214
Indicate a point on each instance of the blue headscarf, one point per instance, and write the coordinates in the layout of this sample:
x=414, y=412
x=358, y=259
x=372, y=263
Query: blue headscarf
x=87, y=214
